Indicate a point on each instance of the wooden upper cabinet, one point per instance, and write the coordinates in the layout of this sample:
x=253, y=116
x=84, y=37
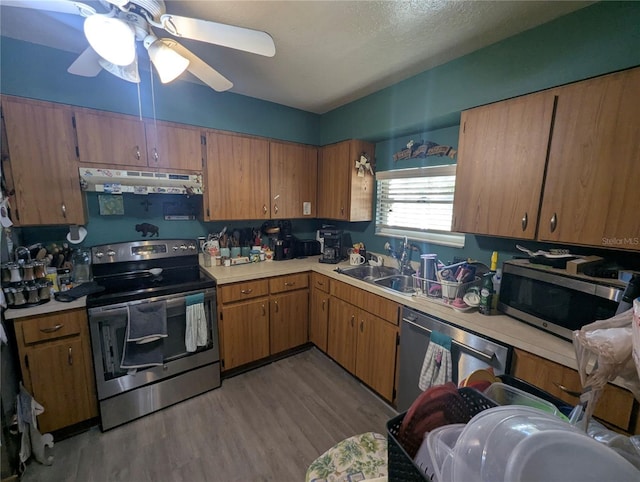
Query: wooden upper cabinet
x=174, y=146
x=41, y=152
x=591, y=187
x=293, y=170
x=501, y=160
x=342, y=194
x=237, y=178
x=110, y=139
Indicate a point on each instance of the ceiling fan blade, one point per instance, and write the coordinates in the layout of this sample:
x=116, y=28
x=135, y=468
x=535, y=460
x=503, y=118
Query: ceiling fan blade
x=200, y=68
x=60, y=6
x=87, y=64
x=240, y=38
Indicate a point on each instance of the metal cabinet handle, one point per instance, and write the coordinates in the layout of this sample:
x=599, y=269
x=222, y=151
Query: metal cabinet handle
x=353, y=317
x=64, y=211
x=248, y=291
x=571, y=393
x=275, y=208
x=155, y=154
x=324, y=302
x=342, y=211
x=320, y=283
x=52, y=329
x=525, y=221
x=138, y=152
x=289, y=283
x=70, y=356
x=361, y=326
x=554, y=222
x=277, y=307
x=264, y=208
x=264, y=313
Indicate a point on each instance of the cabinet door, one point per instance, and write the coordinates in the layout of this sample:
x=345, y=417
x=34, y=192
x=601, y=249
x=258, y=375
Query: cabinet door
x=110, y=139
x=319, y=318
x=42, y=157
x=615, y=405
x=594, y=164
x=59, y=383
x=293, y=170
x=289, y=320
x=237, y=178
x=245, y=332
x=376, y=353
x=341, y=340
x=333, y=181
x=501, y=161
x=360, y=207
x=172, y=146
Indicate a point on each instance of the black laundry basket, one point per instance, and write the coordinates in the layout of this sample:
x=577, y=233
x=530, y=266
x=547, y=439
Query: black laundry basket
x=402, y=468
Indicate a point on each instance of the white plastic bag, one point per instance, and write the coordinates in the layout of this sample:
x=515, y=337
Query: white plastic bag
x=604, y=352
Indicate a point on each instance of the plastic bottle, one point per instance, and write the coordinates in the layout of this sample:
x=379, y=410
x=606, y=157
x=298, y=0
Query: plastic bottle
x=494, y=261
x=497, y=280
x=486, y=294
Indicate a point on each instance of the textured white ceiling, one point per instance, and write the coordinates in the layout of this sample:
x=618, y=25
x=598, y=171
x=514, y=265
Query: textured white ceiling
x=328, y=53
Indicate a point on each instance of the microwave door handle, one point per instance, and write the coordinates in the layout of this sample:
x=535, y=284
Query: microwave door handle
x=489, y=357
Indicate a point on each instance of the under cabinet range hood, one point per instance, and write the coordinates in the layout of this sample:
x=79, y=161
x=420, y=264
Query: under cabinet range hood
x=118, y=181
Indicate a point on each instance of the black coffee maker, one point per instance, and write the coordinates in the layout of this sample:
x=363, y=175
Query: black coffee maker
x=284, y=245
x=336, y=245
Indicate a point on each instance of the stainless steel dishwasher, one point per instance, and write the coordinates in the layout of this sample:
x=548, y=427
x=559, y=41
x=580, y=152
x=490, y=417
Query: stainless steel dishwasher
x=469, y=352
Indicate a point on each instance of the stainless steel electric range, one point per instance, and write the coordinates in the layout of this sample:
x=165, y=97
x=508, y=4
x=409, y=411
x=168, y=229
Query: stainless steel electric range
x=159, y=280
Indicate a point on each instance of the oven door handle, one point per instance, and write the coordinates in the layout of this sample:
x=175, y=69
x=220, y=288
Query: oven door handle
x=480, y=354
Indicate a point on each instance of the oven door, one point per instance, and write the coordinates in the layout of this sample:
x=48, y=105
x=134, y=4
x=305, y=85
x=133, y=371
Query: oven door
x=108, y=325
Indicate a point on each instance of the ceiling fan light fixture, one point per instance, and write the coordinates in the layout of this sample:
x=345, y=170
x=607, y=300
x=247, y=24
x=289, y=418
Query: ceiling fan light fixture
x=112, y=38
x=169, y=63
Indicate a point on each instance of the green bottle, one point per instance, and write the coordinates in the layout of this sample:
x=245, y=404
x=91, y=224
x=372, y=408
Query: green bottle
x=486, y=294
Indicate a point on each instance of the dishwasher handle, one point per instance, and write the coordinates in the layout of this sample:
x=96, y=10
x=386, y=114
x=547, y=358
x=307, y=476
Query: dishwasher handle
x=485, y=356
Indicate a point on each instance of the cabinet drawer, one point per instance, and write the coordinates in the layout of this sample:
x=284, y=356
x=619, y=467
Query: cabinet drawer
x=320, y=281
x=49, y=327
x=243, y=291
x=290, y=282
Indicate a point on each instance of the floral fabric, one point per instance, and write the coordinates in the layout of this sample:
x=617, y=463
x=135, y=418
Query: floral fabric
x=357, y=458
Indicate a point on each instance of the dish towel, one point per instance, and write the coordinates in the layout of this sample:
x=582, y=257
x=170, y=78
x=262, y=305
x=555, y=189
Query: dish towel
x=436, y=367
x=196, y=333
x=146, y=327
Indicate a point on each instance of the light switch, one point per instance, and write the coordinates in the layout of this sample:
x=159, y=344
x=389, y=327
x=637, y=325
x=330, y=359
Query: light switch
x=306, y=208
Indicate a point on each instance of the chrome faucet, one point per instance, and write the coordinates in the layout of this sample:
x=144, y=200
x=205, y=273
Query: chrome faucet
x=403, y=257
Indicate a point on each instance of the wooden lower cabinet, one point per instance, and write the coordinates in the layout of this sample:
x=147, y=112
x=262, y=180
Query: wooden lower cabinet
x=341, y=342
x=289, y=320
x=55, y=357
x=319, y=311
x=364, y=344
x=615, y=406
x=244, y=329
x=262, y=317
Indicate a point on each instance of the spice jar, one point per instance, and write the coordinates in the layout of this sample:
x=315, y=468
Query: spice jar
x=44, y=290
x=27, y=272
x=8, y=294
x=14, y=269
x=32, y=293
x=39, y=269
x=18, y=295
x=6, y=273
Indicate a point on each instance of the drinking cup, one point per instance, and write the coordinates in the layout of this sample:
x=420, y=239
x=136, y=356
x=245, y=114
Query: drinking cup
x=356, y=259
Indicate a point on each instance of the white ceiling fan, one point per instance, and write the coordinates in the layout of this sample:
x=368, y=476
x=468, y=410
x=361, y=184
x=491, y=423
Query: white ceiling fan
x=112, y=36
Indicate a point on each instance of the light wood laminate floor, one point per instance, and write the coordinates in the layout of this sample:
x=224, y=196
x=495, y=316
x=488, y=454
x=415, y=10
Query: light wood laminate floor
x=266, y=424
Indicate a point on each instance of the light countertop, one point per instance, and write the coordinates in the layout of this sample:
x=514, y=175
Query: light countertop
x=499, y=327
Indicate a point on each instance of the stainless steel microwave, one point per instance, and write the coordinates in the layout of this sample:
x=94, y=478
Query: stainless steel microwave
x=553, y=301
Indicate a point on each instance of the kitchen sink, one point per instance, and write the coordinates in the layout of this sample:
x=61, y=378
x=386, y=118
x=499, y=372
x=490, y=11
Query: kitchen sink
x=400, y=282
x=370, y=273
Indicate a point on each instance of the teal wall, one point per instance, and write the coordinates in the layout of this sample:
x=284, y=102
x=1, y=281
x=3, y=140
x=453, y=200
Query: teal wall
x=38, y=72
x=595, y=40
x=598, y=39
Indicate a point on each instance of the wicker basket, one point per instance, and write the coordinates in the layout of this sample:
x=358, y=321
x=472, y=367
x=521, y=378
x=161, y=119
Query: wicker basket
x=402, y=468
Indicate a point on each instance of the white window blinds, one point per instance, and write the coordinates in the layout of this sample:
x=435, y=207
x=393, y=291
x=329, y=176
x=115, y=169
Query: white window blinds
x=418, y=203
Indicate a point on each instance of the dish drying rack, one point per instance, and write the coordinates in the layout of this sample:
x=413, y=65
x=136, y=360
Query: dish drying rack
x=442, y=290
